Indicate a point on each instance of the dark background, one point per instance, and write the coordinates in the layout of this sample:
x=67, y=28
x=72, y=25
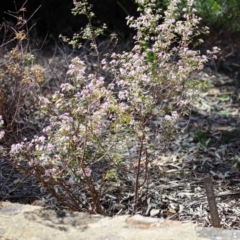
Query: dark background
x=54, y=16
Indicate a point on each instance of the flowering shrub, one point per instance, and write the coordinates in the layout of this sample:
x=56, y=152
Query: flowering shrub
x=97, y=128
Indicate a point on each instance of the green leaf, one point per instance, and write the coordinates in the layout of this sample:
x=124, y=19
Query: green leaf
x=225, y=98
x=223, y=113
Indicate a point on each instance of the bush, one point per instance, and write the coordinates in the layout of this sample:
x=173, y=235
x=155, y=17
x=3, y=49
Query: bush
x=20, y=80
x=215, y=13
x=98, y=133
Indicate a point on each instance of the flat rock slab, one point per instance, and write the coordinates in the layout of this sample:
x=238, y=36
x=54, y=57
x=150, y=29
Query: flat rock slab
x=27, y=222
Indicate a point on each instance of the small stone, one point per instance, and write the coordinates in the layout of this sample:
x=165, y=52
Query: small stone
x=119, y=206
x=154, y=212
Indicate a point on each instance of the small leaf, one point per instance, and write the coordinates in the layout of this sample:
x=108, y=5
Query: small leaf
x=223, y=113
x=225, y=98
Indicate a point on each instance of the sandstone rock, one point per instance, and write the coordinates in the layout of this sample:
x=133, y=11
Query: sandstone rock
x=27, y=222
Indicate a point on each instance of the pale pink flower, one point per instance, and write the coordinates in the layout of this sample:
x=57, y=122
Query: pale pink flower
x=2, y=133
x=1, y=120
x=77, y=66
x=67, y=87
x=49, y=147
x=31, y=162
x=47, y=129
x=50, y=172
x=168, y=118
x=41, y=139
x=43, y=101
x=16, y=148
x=86, y=172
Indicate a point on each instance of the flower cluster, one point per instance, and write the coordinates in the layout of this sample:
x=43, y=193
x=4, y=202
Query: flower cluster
x=2, y=133
x=173, y=118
